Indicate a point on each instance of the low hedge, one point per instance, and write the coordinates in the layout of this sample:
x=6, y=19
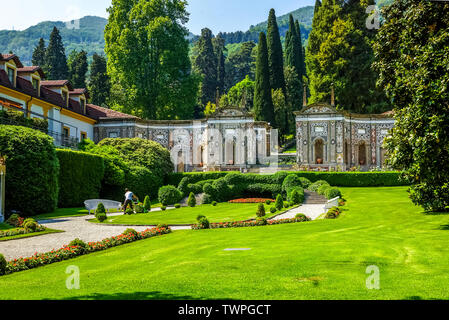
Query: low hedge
x=253, y=223
x=193, y=177
x=80, y=177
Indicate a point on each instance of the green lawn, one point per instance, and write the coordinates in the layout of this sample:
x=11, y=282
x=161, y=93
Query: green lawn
x=5, y=226
x=77, y=212
x=324, y=259
x=62, y=213
x=223, y=212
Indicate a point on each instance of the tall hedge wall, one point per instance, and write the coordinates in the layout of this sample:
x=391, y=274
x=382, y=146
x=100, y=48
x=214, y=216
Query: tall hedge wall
x=341, y=179
x=80, y=177
x=31, y=170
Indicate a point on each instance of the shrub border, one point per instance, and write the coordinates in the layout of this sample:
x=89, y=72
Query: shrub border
x=67, y=253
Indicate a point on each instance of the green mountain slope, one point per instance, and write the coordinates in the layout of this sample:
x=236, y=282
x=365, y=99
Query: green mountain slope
x=303, y=15
x=88, y=37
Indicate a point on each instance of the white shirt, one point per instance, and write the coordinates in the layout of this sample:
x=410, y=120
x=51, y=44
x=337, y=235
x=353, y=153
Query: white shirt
x=129, y=196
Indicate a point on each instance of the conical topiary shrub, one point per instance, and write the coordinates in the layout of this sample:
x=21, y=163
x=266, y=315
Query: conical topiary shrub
x=261, y=210
x=191, y=202
x=147, y=204
x=279, y=203
x=100, y=213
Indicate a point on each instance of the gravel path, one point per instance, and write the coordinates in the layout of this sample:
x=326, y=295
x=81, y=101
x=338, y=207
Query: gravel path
x=74, y=227
x=79, y=227
x=312, y=211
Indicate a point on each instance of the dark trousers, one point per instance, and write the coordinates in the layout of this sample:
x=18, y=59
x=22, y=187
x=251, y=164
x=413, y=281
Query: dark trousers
x=128, y=202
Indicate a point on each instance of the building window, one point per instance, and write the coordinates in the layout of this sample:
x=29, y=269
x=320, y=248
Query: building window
x=83, y=136
x=113, y=135
x=10, y=74
x=83, y=105
x=35, y=84
x=66, y=132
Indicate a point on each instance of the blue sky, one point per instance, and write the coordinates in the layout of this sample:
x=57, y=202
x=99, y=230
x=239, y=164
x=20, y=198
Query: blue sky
x=218, y=15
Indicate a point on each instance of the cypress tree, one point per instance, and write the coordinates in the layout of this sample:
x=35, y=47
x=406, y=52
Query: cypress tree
x=263, y=103
x=275, y=55
x=219, y=47
x=38, y=58
x=293, y=49
x=99, y=83
x=55, y=58
x=301, y=52
x=205, y=64
x=77, y=69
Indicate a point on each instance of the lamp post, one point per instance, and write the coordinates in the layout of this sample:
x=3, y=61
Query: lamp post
x=2, y=188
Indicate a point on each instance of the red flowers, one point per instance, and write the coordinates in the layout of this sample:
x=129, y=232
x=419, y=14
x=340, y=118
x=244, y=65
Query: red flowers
x=252, y=200
x=67, y=252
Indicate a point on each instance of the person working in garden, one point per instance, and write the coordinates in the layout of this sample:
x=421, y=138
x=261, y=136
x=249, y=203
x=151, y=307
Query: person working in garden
x=129, y=196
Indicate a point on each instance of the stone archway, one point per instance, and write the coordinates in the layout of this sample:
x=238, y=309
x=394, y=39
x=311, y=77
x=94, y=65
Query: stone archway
x=319, y=151
x=362, y=153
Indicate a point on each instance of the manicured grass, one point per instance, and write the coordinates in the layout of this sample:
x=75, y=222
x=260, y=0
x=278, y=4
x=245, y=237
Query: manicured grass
x=30, y=235
x=324, y=259
x=63, y=213
x=223, y=212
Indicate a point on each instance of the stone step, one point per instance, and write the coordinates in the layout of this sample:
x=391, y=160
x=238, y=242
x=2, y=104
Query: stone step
x=314, y=198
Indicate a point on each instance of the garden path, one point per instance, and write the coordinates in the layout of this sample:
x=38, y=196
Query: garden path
x=313, y=211
x=74, y=227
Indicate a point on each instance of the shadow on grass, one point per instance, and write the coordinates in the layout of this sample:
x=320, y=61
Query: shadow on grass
x=153, y=295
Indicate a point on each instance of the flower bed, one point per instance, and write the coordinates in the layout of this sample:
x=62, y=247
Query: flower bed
x=20, y=231
x=254, y=223
x=252, y=200
x=67, y=252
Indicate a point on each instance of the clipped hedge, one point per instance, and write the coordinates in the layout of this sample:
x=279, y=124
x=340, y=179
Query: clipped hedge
x=80, y=177
x=175, y=178
x=32, y=170
x=341, y=179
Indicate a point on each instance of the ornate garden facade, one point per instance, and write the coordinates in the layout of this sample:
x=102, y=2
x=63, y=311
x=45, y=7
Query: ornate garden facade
x=328, y=139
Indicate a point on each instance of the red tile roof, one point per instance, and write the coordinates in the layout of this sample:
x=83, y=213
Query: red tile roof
x=57, y=83
x=7, y=57
x=79, y=91
x=31, y=69
x=98, y=112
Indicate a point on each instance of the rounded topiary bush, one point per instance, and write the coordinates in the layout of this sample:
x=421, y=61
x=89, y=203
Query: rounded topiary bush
x=207, y=199
x=323, y=189
x=273, y=210
x=261, y=221
x=129, y=211
x=295, y=195
x=292, y=180
x=305, y=182
x=268, y=202
x=204, y=223
x=332, y=193
x=32, y=170
x=30, y=225
x=183, y=186
x=191, y=202
x=169, y=195
x=221, y=189
x=261, y=210
x=3, y=264
x=79, y=243
x=139, y=208
x=214, y=203
x=316, y=185
x=131, y=231
x=178, y=206
x=163, y=208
